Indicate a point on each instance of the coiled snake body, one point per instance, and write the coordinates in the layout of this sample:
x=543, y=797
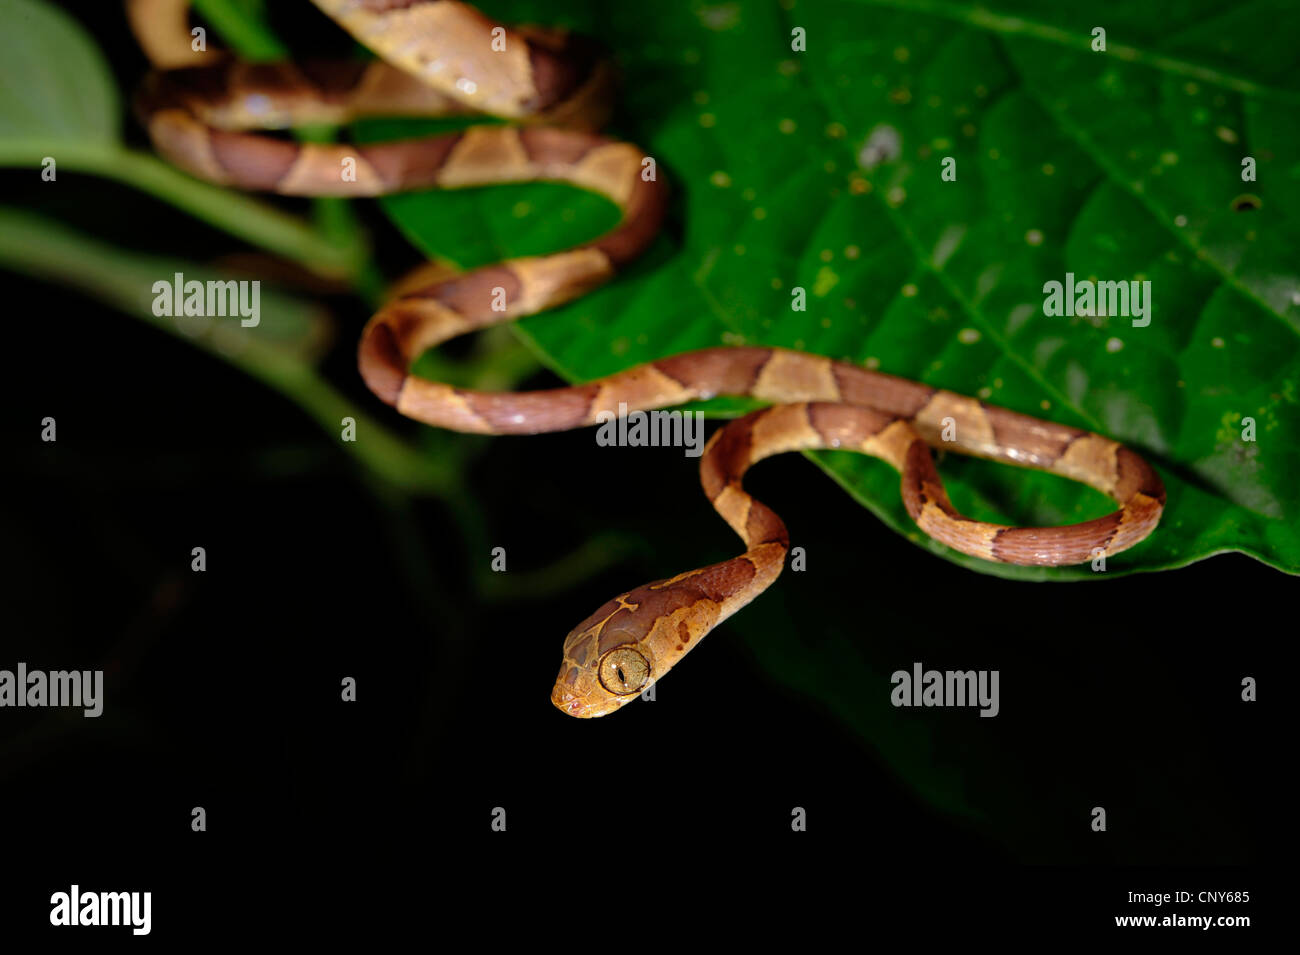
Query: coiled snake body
x=445, y=57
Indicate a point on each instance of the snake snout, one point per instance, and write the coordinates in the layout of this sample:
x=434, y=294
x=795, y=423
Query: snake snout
x=566, y=701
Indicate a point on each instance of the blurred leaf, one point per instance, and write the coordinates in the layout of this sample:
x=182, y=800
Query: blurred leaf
x=57, y=100
x=54, y=83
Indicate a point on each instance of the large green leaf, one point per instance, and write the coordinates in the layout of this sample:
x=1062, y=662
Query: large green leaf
x=1113, y=165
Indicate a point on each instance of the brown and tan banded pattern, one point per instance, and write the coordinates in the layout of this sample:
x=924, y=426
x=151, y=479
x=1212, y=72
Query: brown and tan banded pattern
x=439, y=60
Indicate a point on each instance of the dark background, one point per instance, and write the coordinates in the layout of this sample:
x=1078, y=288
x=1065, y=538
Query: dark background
x=223, y=688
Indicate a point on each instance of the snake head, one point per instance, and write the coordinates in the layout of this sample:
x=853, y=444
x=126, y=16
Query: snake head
x=619, y=652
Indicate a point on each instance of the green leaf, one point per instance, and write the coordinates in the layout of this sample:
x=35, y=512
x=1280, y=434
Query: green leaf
x=54, y=83
x=1121, y=165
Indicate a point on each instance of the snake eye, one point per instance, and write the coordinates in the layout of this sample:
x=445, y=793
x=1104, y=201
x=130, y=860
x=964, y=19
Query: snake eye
x=623, y=671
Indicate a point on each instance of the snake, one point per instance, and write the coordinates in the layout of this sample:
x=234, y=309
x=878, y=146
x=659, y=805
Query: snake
x=209, y=113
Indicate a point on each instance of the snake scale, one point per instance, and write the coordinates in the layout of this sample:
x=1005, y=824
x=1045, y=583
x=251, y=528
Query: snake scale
x=440, y=57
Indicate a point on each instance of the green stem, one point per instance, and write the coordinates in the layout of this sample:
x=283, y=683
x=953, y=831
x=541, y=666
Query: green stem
x=38, y=247
x=240, y=216
x=244, y=32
